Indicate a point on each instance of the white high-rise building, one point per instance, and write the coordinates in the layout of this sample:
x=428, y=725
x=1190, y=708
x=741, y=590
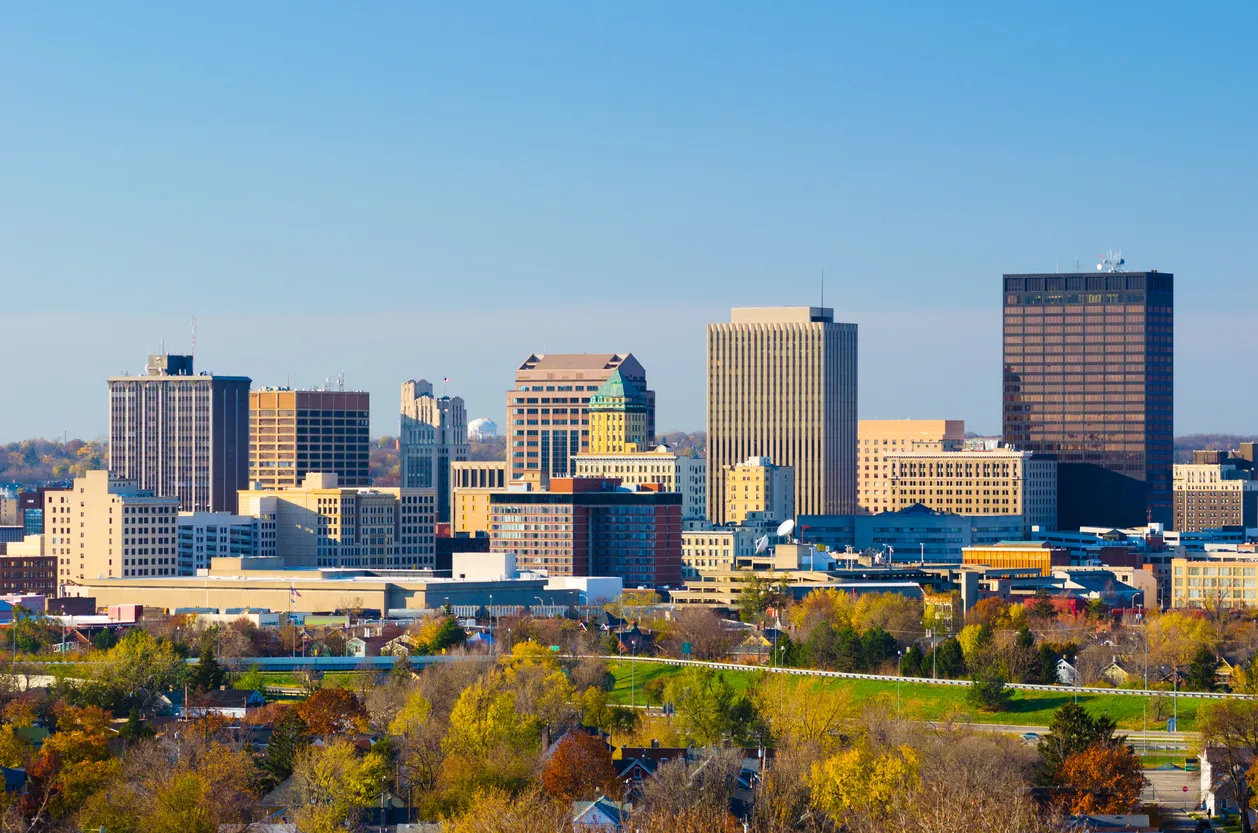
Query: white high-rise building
x=433, y=434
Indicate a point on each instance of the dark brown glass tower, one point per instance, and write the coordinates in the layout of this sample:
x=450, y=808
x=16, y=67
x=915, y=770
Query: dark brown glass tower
x=1088, y=379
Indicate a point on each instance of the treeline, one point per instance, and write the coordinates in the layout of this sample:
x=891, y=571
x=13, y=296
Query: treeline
x=1187, y=444
x=33, y=462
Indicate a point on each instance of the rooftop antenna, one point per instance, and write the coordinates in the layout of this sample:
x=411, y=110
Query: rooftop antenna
x=823, y=288
x=340, y=381
x=194, y=338
x=1111, y=261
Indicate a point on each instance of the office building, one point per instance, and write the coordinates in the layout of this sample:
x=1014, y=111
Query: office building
x=296, y=432
x=591, y=527
x=1088, y=380
x=471, y=484
x=433, y=437
x=875, y=438
x=206, y=535
x=548, y=418
x=106, y=525
x=782, y=384
x=618, y=413
x=1216, y=490
x=661, y=467
x=1038, y=555
x=1214, y=584
x=914, y=534
x=11, y=513
x=180, y=434
x=756, y=486
x=323, y=524
x=26, y=569
x=997, y=482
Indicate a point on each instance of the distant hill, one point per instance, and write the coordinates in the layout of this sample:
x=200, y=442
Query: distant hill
x=686, y=445
x=38, y=461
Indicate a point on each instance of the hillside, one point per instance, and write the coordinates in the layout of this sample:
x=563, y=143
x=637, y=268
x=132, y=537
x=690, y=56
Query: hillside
x=31, y=462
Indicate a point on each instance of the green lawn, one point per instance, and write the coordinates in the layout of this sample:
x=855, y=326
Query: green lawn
x=930, y=702
x=288, y=679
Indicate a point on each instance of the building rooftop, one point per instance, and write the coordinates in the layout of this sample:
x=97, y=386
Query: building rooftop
x=781, y=315
x=580, y=361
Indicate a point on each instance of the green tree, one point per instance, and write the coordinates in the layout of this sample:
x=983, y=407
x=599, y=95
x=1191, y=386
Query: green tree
x=251, y=680
x=989, y=693
x=207, y=674
x=876, y=646
x=708, y=710
x=1073, y=730
x=1202, y=673
x=139, y=668
x=134, y=729
x=288, y=738
x=757, y=596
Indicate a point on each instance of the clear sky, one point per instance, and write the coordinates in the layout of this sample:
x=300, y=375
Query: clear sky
x=438, y=189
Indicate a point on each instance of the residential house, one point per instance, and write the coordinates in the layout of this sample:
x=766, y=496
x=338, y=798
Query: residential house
x=225, y=702
x=1115, y=674
x=14, y=779
x=601, y=814
x=1066, y=673
x=1217, y=794
x=636, y=642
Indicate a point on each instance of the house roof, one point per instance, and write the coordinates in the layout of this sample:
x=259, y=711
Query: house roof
x=229, y=698
x=613, y=810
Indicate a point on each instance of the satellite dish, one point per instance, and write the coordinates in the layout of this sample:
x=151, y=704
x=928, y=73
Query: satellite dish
x=786, y=527
x=762, y=543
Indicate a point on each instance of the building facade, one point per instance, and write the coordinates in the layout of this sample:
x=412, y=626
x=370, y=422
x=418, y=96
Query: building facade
x=1089, y=381
x=206, y=535
x=661, y=467
x=296, y=432
x=548, y=418
x=1210, y=495
x=432, y=437
x=26, y=569
x=997, y=482
x=323, y=524
x=618, y=416
x=876, y=438
x=756, y=486
x=718, y=549
x=182, y=435
x=1038, y=555
x=1214, y=584
x=913, y=534
x=591, y=527
x=782, y=384
x=471, y=484
x=105, y=525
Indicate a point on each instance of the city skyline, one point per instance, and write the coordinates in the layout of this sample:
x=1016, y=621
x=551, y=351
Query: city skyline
x=401, y=194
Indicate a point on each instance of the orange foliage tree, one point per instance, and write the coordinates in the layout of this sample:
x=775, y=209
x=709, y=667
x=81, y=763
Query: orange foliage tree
x=580, y=765
x=332, y=711
x=1102, y=779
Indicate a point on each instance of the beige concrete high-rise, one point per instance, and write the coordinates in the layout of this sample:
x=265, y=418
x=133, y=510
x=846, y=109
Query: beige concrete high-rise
x=432, y=436
x=876, y=438
x=782, y=384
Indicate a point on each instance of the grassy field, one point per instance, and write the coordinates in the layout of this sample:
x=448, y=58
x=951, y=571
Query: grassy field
x=929, y=702
x=288, y=679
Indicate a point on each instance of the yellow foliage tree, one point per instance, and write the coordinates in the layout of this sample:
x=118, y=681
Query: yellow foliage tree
x=857, y=782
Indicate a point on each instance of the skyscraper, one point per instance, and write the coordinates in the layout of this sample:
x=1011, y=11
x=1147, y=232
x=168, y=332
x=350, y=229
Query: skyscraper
x=618, y=413
x=782, y=385
x=296, y=432
x=181, y=435
x=1088, y=379
x=548, y=417
x=433, y=434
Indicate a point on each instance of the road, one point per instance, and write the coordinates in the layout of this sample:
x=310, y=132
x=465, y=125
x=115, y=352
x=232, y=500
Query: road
x=1166, y=789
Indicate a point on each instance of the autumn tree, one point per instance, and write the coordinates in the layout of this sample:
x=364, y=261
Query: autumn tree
x=757, y=595
x=702, y=629
x=1102, y=779
x=496, y=811
x=708, y=710
x=895, y=613
x=1071, y=731
x=580, y=767
x=72, y=763
x=804, y=711
x=139, y=669
x=333, y=711
x=861, y=786
x=828, y=605
x=336, y=785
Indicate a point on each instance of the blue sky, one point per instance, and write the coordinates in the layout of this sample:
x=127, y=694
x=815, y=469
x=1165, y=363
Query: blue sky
x=396, y=190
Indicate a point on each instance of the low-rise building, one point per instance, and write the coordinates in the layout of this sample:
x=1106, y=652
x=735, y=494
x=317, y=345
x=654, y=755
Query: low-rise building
x=1217, y=583
x=706, y=550
x=26, y=569
x=917, y=533
x=876, y=438
x=1036, y=554
x=471, y=484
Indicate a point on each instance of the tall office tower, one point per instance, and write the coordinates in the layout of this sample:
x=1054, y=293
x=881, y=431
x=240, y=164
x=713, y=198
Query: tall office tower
x=106, y=526
x=1088, y=379
x=782, y=385
x=548, y=417
x=181, y=435
x=296, y=432
x=618, y=412
x=876, y=438
x=433, y=435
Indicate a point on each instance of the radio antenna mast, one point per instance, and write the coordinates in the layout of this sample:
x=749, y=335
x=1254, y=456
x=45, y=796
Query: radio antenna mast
x=194, y=339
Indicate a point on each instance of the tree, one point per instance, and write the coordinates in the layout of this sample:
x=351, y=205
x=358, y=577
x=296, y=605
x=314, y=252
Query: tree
x=989, y=693
x=139, y=668
x=333, y=711
x=892, y=612
x=1203, y=671
x=134, y=729
x=702, y=629
x=708, y=710
x=580, y=768
x=1072, y=730
x=993, y=612
x=757, y=596
x=497, y=811
x=251, y=680
x=207, y=675
x=288, y=739
x=1232, y=727
x=1102, y=779
x=437, y=634
x=863, y=785
x=827, y=605
x=877, y=646
x=336, y=785
x=1041, y=607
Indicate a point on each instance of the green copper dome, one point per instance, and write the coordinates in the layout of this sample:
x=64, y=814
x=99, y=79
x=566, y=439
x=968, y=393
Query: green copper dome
x=618, y=394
